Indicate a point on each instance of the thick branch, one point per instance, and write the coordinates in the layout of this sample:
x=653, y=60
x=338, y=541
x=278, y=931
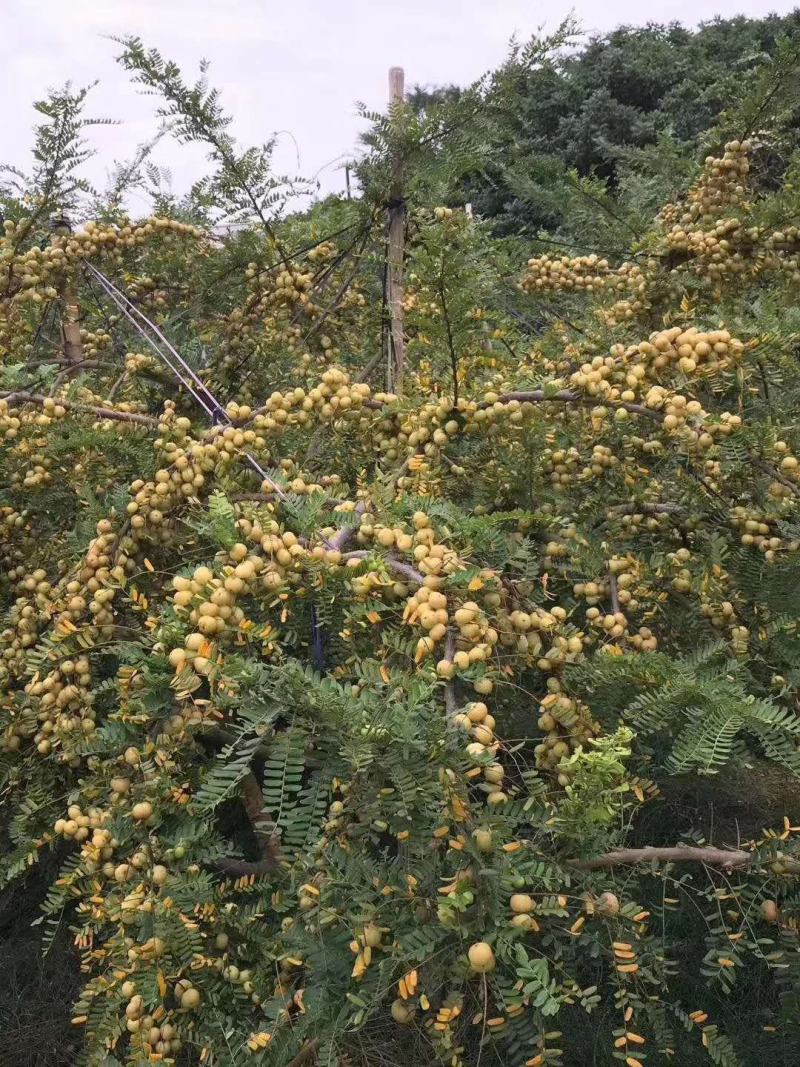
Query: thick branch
x=404, y=570
x=646, y=509
x=727, y=858
x=347, y=533
x=263, y=826
x=793, y=487
x=242, y=868
x=614, y=589
x=307, y=1052
x=450, y=702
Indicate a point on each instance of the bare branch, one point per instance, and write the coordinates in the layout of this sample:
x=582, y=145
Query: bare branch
x=727, y=858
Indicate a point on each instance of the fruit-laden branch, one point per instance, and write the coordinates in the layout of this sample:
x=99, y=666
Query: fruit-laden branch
x=728, y=858
x=567, y=396
x=18, y=398
x=532, y=396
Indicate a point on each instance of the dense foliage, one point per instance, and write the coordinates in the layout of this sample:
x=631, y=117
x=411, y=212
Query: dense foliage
x=627, y=111
x=458, y=726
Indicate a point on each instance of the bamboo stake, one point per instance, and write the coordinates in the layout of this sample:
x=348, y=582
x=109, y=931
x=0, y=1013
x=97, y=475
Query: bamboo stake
x=70, y=325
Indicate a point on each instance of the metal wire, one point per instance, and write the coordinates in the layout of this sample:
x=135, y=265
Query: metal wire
x=210, y=405
x=174, y=361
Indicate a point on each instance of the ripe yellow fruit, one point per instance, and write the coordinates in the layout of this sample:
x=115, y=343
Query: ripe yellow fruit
x=481, y=957
x=142, y=811
x=494, y=773
x=769, y=909
x=607, y=904
x=521, y=903
x=190, y=998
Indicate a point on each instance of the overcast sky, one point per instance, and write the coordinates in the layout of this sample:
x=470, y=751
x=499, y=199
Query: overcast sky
x=297, y=67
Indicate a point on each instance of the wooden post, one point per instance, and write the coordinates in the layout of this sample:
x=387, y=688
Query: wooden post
x=70, y=309
x=70, y=325
x=395, y=273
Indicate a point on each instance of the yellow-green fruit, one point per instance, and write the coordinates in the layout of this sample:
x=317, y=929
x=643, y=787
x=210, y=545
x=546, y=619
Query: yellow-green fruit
x=372, y=935
x=400, y=1012
x=483, y=839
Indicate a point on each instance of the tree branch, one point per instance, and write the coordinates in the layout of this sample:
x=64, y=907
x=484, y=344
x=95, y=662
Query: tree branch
x=727, y=858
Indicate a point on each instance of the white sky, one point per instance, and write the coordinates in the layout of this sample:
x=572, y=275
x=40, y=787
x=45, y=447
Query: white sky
x=281, y=66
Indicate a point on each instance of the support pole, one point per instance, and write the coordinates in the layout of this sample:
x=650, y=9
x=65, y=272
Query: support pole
x=70, y=309
x=70, y=325
x=395, y=253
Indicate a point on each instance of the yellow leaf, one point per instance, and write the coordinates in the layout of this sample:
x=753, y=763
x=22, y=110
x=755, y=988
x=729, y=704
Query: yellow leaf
x=162, y=985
